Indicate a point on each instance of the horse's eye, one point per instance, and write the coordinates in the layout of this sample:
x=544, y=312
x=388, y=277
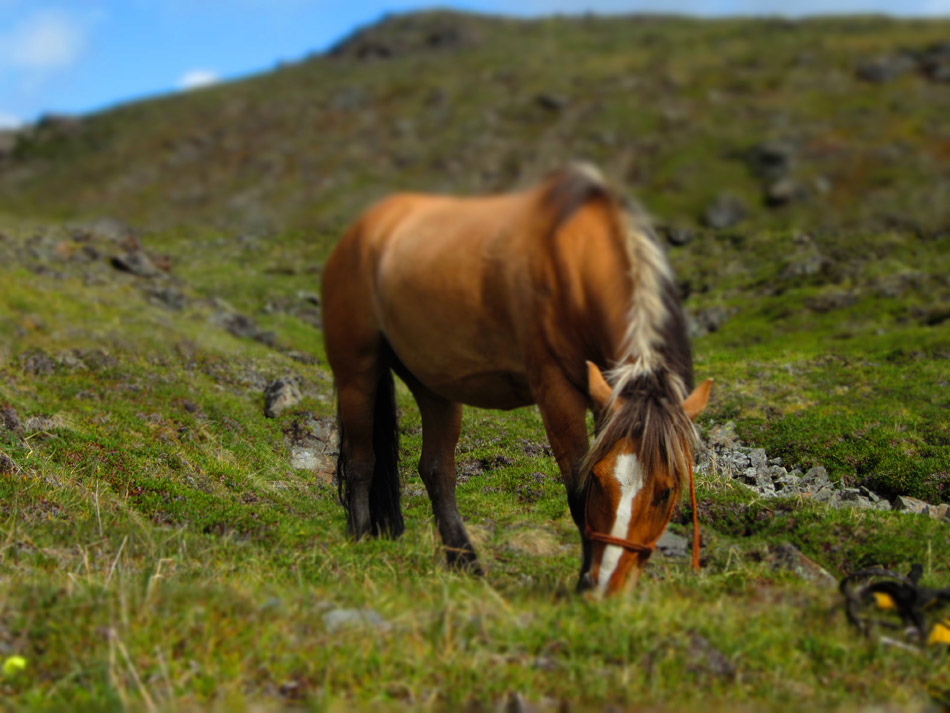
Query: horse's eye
x=663, y=495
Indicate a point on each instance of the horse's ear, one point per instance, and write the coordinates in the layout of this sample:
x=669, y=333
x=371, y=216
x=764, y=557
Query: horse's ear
x=697, y=400
x=597, y=386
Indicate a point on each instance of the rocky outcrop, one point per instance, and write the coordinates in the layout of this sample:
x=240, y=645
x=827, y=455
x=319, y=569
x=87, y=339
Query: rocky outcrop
x=725, y=454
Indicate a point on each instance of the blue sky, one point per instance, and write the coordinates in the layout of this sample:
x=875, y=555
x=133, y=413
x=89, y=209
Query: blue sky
x=77, y=56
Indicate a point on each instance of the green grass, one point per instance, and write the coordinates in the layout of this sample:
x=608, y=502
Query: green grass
x=157, y=549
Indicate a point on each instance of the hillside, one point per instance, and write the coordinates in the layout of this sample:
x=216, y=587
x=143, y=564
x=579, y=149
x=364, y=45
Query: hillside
x=167, y=545
x=850, y=112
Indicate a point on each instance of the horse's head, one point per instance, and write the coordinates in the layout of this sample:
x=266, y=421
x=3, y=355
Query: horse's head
x=637, y=468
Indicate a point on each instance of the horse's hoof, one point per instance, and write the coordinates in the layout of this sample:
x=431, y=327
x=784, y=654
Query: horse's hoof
x=466, y=561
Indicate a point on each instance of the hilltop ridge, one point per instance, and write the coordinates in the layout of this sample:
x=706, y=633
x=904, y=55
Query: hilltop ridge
x=835, y=122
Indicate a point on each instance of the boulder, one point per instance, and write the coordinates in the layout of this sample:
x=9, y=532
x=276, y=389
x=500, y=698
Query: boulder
x=725, y=211
x=673, y=545
x=788, y=557
x=783, y=191
x=904, y=503
x=885, y=68
x=280, y=395
x=771, y=159
x=137, y=263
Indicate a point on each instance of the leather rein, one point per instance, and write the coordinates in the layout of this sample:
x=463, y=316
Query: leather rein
x=632, y=546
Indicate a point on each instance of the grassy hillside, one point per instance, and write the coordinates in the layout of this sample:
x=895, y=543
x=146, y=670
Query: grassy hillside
x=163, y=544
x=676, y=109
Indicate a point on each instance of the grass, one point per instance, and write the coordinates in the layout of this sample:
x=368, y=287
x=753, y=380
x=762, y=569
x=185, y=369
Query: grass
x=159, y=551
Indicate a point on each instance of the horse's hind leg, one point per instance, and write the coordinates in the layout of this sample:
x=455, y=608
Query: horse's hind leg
x=367, y=468
x=441, y=426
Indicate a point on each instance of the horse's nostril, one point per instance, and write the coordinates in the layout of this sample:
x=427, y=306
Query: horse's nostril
x=585, y=582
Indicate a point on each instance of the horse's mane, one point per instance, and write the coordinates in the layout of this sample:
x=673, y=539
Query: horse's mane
x=653, y=371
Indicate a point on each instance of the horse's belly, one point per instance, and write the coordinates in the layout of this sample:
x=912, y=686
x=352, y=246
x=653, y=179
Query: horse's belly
x=460, y=364
x=498, y=390
x=455, y=349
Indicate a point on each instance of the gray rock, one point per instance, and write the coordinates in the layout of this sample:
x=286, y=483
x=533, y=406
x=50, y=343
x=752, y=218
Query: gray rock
x=940, y=512
x=679, y=236
x=673, y=545
x=110, y=229
x=703, y=657
x=725, y=211
x=788, y=557
x=827, y=496
x=771, y=159
x=167, y=297
x=10, y=420
x=831, y=301
x=885, y=68
x=759, y=480
x=774, y=472
x=243, y=326
x=816, y=479
x=706, y=321
x=305, y=458
x=807, y=265
x=784, y=191
x=551, y=102
x=137, y=263
x=938, y=70
x=338, y=619
x=7, y=464
x=722, y=435
x=311, y=297
x=758, y=458
x=853, y=499
x=37, y=362
x=904, y=503
x=789, y=484
x=279, y=395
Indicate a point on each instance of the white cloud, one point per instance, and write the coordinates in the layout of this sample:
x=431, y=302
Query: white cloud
x=46, y=40
x=9, y=121
x=197, y=78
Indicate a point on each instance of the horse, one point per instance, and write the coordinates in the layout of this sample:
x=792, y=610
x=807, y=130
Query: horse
x=558, y=295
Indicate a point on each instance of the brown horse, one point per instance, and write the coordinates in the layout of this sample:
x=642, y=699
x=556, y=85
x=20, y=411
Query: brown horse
x=557, y=296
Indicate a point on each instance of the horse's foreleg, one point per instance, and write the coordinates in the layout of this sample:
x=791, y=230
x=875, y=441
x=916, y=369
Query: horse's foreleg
x=564, y=411
x=441, y=426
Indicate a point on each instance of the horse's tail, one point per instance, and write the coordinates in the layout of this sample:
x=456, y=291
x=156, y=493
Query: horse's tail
x=385, y=510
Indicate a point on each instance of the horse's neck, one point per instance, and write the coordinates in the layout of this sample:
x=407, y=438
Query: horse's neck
x=606, y=321
x=589, y=307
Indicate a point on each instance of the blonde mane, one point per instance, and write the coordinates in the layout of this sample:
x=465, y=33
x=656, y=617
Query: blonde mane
x=652, y=370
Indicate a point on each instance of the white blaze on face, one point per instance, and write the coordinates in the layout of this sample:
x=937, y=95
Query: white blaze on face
x=628, y=475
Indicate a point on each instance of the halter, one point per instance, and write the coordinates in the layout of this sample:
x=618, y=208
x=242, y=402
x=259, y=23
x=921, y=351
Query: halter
x=632, y=546
x=592, y=534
